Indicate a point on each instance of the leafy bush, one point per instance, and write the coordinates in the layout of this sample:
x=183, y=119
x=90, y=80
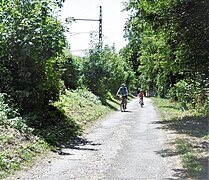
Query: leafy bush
x=104, y=71
x=183, y=146
x=88, y=96
x=184, y=93
x=9, y=116
x=191, y=94
x=31, y=40
x=71, y=73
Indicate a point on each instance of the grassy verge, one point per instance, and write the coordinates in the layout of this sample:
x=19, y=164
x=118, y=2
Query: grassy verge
x=192, y=133
x=83, y=107
x=22, y=139
x=18, y=150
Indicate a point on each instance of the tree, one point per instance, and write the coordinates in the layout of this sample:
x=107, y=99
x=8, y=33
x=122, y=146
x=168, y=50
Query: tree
x=71, y=74
x=31, y=42
x=173, y=39
x=104, y=70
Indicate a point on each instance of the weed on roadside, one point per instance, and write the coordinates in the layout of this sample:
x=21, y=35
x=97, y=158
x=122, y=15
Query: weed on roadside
x=190, y=160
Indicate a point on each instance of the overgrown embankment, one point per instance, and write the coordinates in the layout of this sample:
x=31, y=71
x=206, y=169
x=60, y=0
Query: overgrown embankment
x=25, y=138
x=192, y=137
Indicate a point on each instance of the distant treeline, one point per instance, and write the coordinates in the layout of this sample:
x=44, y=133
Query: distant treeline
x=167, y=52
x=169, y=40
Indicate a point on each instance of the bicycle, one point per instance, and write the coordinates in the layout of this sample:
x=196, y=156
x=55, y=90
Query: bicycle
x=123, y=103
x=141, y=102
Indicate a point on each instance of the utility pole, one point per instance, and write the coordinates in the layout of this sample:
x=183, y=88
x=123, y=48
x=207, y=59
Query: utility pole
x=100, y=24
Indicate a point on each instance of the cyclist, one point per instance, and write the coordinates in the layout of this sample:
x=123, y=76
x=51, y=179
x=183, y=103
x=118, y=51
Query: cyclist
x=141, y=97
x=123, y=92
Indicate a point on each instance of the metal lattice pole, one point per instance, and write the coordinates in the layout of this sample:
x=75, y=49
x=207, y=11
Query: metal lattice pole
x=100, y=25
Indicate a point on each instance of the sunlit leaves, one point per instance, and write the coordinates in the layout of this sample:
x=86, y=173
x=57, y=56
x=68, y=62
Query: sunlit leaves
x=173, y=42
x=31, y=40
x=104, y=70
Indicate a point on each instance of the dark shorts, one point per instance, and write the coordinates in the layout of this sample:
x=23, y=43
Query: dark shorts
x=124, y=97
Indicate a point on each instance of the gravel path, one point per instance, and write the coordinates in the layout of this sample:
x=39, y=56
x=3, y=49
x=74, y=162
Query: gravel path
x=124, y=145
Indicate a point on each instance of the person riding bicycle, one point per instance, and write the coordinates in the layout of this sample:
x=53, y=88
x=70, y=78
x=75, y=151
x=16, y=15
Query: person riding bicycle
x=123, y=92
x=141, y=96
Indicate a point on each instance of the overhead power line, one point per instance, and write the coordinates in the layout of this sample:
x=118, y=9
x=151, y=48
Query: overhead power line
x=76, y=33
x=99, y=20
x=78, y=50
x=86, y=19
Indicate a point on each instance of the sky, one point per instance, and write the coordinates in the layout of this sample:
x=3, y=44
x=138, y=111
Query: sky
x=113, y=21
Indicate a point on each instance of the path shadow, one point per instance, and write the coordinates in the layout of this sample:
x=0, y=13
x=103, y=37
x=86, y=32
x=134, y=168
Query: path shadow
x=192, y=126
x=184, y=173
x=205, y=173
x=166, y=153
x=80, y=143
x=126, y=111
x=177, y=172
x=110, y=105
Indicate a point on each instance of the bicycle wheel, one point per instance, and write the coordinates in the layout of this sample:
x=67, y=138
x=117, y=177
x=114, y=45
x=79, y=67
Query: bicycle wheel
x=122, y=106
x=141, y=102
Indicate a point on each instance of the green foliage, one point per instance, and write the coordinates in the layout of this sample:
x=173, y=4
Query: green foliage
x=13, y=128
x=191, y=93
x=191, y=163
x=52, y=125
x=170, y=109
x=193, y=21
x=31, y=39
x=71, y=73
x=81, y=106
x=130, y=54
x=183, y=93
x=10, y=117
x=172, y=38
x=154, y=32
x=104, y=70
x=192, y=132
x=18, y=146
x=207, y=136
x=183, y=146
x=12, y=158
x=189, y=159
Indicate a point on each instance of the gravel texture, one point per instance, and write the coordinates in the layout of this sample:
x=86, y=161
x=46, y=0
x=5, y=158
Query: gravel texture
x=123, y=146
